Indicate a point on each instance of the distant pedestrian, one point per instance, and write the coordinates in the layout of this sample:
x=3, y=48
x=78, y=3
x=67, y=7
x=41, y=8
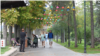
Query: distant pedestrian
x=40, y=37
x=43, y=39
x=22, y=40
x=46, y=36
x=50, y=36
x=35, y=41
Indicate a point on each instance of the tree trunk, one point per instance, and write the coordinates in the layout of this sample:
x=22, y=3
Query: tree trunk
x=27, y=30
x=92, y=24
x=54, y=37
x=68, y=31
x=18, y=31
x=10, y=34
x=80, y=40
x=57, y=37
x=31, y=37
x=62, y=36
x=66, y=35
x=5, y=33
x=75, y=29
x=15, y=31
x=30, y=33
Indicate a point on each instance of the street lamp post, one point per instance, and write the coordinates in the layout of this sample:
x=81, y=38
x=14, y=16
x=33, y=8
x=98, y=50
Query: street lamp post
x=1, y=28
x=68, y=28
x=84, y=26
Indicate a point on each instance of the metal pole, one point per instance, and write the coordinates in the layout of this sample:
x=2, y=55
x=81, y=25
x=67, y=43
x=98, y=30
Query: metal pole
x=1, y=28
x=84, y=26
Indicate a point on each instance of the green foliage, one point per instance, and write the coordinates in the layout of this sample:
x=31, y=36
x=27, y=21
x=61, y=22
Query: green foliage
x=9, y=16
x=23, y=16
x=80, y=47
x=80, y=33
x=97, y=32
x=88, y=34
x=5, y=49
x=63, y=23
x=29, y=13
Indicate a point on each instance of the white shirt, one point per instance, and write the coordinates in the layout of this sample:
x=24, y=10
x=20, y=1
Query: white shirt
x=46, y=35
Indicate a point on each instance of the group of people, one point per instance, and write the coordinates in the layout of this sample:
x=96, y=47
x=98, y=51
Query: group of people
x=43, y=37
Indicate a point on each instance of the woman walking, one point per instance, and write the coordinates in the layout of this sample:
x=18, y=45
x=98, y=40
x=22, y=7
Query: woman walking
x=46, y=37
x=43, y=39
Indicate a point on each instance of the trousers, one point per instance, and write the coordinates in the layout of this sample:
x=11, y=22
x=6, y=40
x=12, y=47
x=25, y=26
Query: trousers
x=22, y=46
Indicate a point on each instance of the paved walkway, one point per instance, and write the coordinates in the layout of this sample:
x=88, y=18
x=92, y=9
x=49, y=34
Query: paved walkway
x=56, y=50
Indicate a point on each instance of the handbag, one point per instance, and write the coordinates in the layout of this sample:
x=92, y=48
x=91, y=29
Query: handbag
x=44, y=36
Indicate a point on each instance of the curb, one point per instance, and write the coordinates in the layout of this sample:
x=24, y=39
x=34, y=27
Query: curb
x=10, y=52
x=13, y=53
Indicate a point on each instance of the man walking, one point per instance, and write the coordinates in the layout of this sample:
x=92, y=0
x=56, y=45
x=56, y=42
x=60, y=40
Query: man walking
x=22, y=40
x=50, y=37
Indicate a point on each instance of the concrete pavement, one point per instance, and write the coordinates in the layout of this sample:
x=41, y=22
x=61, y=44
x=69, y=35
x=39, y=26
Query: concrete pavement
x=56, y=50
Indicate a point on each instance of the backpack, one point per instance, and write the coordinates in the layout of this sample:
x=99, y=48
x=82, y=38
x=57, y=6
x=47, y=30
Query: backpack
x=35, y=40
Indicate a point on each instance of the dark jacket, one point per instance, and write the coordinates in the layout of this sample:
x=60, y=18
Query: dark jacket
x=50, y=35
x=35, y=39
x=22, y=35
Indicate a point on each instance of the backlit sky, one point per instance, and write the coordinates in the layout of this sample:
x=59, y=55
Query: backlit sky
x=77, y=2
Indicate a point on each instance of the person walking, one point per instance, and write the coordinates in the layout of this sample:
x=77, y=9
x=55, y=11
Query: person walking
x=50, y=37
x=38, y=38
x=46, y=37
x=43, y=39
x=22, y=40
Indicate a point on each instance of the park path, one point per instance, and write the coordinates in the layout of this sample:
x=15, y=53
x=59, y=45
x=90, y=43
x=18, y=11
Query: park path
x=56, y=50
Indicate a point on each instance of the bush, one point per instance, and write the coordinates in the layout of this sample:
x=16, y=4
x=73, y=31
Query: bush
x=96, y=43
x=88, y=34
